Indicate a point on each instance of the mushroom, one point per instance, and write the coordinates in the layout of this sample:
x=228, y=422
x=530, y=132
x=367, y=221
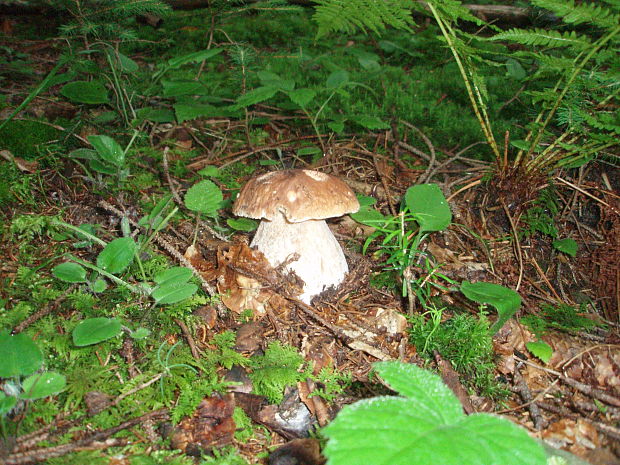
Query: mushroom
x=293, y=205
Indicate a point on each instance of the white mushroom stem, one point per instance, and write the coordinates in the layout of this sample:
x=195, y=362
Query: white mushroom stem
x=321, y=263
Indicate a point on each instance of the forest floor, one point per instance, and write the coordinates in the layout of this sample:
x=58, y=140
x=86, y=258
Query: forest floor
x=553, y=368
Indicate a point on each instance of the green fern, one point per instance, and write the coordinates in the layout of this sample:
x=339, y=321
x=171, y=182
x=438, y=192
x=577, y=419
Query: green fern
x=545, y=38
x=572, y=13
x=366, y=15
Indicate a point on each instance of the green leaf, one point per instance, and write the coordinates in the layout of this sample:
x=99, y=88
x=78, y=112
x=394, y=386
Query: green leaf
x=194, y=57
x=337, y=79
x=20, y=355
x=204, y=197
x=302, y=97
x=540, y=349
x=101, y=167
x=336, y=126
x=210, y=171
x=505, y=300
x=117, y=255
x=428, y=205
x=370, y=122
x=568, y=246
x=95, y=330
x=99, y=286
x=179, y=88
x=426, y=427
x=42, y=385
x=176, y=274
x=369, y=217
x=86, y=154
x=156, y=115
x=91, y=92
x=70, y=272
x=173, y=293
x=108, y=149
x=190, y=111
x=260, y=94
x=242, y=224
x=365, y=201
x=127, y=65
x=140, y=333
x=311, y=150
x=6, y=403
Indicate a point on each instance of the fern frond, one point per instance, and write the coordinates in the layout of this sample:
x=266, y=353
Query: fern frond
x=545, y=38
x=572, y=13
x=351, y=15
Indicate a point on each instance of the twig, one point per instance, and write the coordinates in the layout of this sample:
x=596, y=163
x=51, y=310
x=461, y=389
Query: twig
x=188, y=337
x=49, y=308
x=610, y=431
x=517, y=245
x=523, y=390
x=581, y=387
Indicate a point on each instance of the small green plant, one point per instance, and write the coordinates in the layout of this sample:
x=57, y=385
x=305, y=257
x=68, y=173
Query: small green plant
x=424, y=425
x=108, y=157
x=21, y=376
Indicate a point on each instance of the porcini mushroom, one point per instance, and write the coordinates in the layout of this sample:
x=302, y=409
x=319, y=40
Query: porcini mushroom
x=293, y=206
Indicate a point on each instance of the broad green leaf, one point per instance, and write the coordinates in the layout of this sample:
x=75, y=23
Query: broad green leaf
x=210, y=171
x=179, y=88
x=302, y=97
x=108, y=149
x=260, y=94
x=173, y=293
x=369, y=217
x=20, y=355
x=91, y=92
x=95, y=330
x=337, y=79
x=117, y=255
x=365, y=201
x=101, y=167
x=70, y=272
x=86, y=154
x=6, y=403
x=370, y=122
x=156, y=115
x=99, y=286
x=204, y=197
x=425, y=427
x=194, y=57
x=127, y=65
x=515, y=70
x=568, y=246
x=140, y=333
x=190, y=111
x=42, y=385
x=540, y=349
x=336, y=126
x=176, y=274
x=428, y=205
x=505, y=300
x=312, y=150
x=242, y=224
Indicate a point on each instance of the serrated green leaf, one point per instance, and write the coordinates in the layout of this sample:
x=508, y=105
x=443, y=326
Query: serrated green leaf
x=176, y=274
x=568, y=246
x=70, y=272
x=242, y=224
x=95, y=330
x=505, y=300
x=210, y=171
x=20, y=355
x=108, y=149
x=42, y=385
x=189, y=111
x=540, y=349
x=6, y=403
x=426, y=427
x=302, y=97
x=90, y=92
x=337, y=79
x=117, y=255
x=173, y=293
x=258, y=95
x=140, y=333
x=428, y=205
x=194, y=57
x=204, y=197
x=370, y=122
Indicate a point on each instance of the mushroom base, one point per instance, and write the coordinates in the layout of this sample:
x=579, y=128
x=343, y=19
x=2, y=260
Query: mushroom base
x=321, y=263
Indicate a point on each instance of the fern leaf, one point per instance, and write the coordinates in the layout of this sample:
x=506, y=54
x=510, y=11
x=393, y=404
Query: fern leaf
x=581, y=13
x=545, y=38
x=351, y=15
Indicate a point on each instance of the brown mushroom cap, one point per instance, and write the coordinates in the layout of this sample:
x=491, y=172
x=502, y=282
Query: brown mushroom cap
x=299, y=195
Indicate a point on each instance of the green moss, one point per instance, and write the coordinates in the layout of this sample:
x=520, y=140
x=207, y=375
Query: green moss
x=27, y=139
